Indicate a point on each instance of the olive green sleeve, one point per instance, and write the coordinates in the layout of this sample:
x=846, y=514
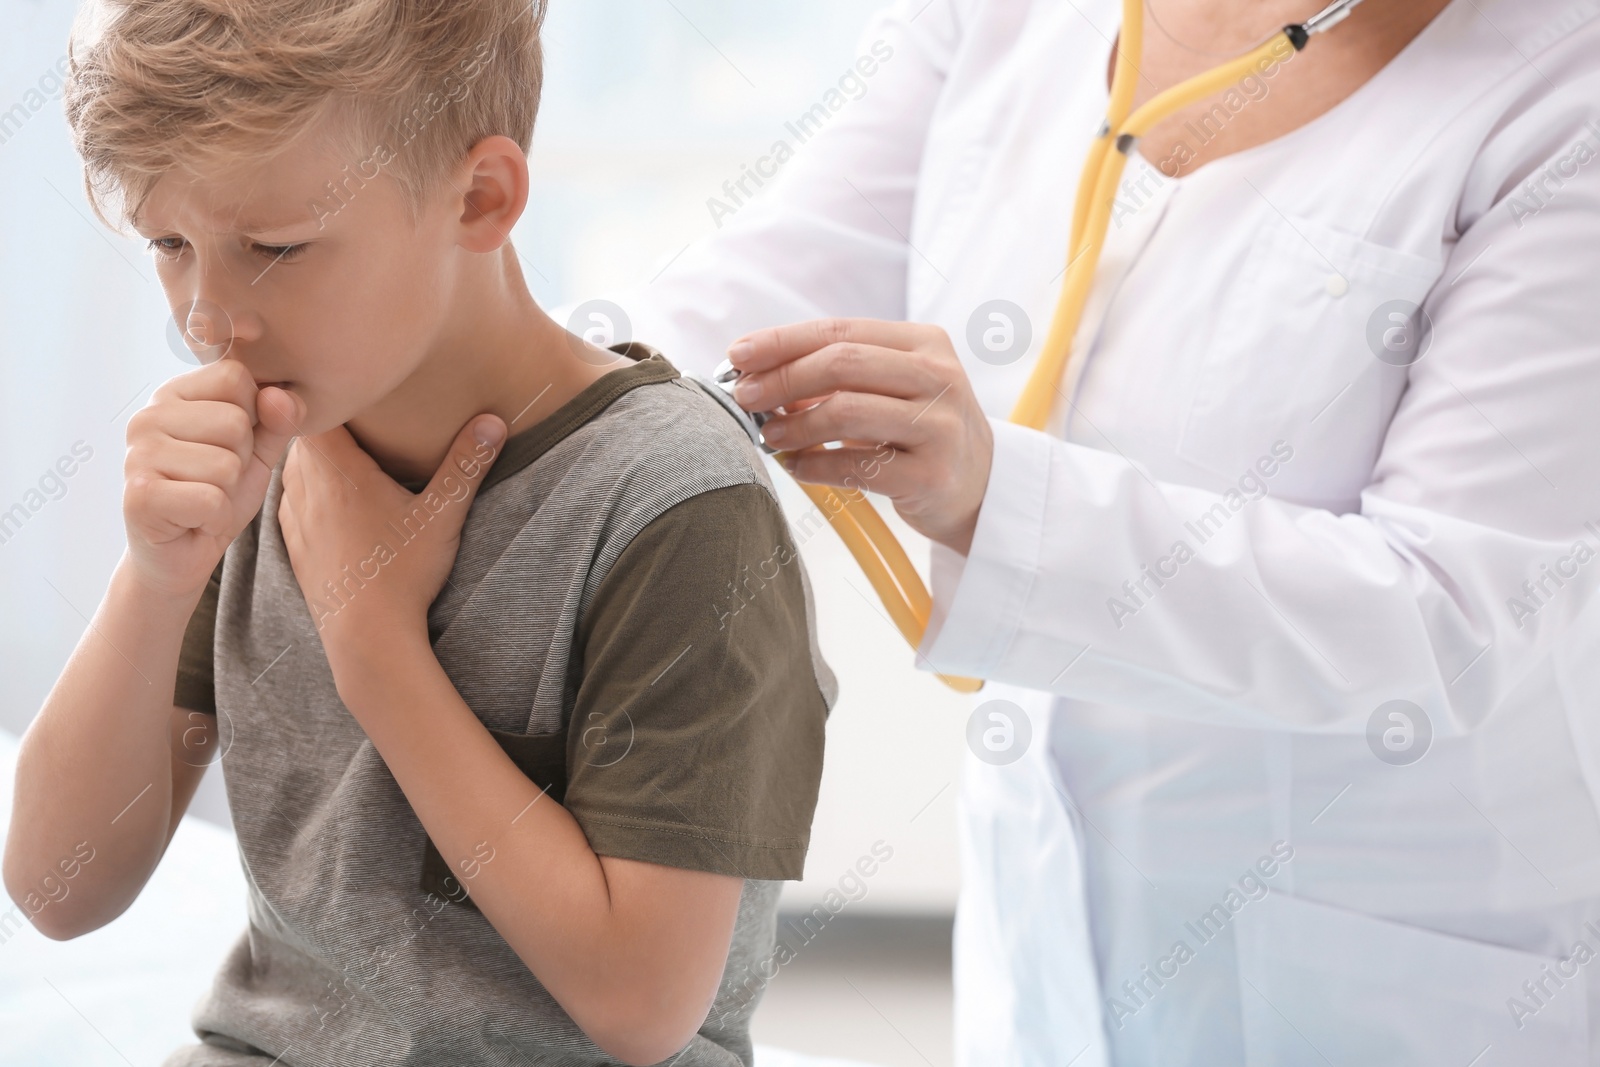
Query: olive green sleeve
x=195, y=689
x=697, y=735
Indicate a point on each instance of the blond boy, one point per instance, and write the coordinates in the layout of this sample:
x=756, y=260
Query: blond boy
x=499, y=638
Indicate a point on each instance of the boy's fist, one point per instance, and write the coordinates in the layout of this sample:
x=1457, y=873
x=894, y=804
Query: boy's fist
x=200, y=455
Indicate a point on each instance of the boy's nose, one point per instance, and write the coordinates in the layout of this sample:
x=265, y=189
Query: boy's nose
x=210, y=330
x=221, y=282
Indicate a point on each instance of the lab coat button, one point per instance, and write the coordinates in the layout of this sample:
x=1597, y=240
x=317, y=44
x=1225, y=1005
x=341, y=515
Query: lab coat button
x=1337, y=285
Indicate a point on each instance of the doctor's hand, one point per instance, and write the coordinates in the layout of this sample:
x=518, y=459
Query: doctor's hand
x=896, y=396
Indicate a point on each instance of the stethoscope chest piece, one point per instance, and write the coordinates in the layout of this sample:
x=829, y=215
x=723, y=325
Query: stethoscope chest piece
x=720, y=386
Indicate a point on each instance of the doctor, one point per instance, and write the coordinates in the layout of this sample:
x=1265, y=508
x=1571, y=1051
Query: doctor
x=1292, y=600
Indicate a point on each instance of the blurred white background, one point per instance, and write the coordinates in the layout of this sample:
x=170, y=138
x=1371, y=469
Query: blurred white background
x=649, y=106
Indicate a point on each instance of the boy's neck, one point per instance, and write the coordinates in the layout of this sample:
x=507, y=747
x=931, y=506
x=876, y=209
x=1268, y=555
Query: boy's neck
x=501, y=355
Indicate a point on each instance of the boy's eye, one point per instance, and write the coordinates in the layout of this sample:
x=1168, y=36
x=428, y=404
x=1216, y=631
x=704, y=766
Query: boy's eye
x=279, y=253
x=159, y=246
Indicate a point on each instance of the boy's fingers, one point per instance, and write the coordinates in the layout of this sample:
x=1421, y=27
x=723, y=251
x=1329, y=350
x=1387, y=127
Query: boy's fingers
x=176, y=507
x=278, y=415
x=469, y=459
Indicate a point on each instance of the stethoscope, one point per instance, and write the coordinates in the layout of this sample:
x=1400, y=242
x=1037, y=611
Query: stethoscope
x=855, y=520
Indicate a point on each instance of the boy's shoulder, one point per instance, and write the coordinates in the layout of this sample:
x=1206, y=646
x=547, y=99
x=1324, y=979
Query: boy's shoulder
x=639, y=443
x=664, y=429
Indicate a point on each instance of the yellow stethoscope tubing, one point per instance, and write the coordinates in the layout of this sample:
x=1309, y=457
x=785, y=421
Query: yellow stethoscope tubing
x=852, y=516
x=884, y=561
x=1092, y=213
x=1130, y=47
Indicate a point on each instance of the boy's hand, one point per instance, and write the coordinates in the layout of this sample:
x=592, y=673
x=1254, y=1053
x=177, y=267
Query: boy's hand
x=369, y=555
x=200, y=455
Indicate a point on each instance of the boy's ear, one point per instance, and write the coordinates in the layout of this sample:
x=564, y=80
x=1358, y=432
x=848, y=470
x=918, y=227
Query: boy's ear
x=494, y=192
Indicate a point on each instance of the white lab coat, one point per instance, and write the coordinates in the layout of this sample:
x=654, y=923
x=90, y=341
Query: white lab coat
x=1208, y=766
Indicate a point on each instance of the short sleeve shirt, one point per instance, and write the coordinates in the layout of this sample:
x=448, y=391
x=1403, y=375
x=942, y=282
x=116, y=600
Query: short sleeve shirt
x=629, y=617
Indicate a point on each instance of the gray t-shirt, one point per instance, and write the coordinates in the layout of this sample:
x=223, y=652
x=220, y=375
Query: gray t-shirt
x=629, y=618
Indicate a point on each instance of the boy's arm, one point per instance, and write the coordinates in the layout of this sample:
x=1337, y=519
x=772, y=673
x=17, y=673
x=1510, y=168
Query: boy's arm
x=107, y=767
x=622, y=900
x=632, y=951
x=95, y=795
x=93, y=775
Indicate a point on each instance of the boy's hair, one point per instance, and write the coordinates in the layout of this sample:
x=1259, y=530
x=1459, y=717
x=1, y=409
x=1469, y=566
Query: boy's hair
x=409, y=87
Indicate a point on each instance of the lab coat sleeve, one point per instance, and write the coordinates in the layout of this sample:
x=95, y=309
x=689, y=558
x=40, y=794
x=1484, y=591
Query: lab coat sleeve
x=1472, y=555
x=827, y=236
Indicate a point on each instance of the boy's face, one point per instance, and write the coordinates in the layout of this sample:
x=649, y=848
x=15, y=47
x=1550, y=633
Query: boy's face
x=345, y=315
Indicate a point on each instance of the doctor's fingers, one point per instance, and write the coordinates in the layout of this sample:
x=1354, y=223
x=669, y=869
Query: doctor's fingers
x=776, y=345
x=870, y=467
x=851, y=416
x=846, y=365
